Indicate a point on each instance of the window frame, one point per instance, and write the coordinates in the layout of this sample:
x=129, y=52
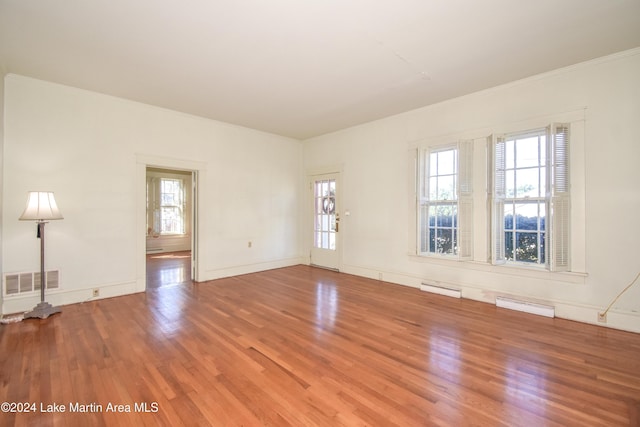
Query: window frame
x=177, y=208
x=541, y=167
x=557, y=197
x=462, y=219
x=155, y=206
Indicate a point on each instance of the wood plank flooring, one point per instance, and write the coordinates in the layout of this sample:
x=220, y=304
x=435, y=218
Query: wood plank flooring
x=168, y=269
x=301, y=346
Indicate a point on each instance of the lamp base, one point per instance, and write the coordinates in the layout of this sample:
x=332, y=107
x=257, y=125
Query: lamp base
x=42, y=311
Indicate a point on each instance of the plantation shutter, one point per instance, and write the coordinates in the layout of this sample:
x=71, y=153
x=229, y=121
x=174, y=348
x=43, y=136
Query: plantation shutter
x=423, y=200
x=153, y=207
x=559, y=204
x=465, y=200
x=498, y=189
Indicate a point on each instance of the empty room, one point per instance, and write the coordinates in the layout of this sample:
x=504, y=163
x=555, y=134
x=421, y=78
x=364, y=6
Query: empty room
x=320, y=213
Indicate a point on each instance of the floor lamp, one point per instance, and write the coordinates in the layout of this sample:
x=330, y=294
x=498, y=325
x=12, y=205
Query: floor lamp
x=42, y=208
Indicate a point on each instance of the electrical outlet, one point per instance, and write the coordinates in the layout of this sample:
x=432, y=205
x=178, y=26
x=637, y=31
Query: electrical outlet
x=602, y=317
x=96, y=292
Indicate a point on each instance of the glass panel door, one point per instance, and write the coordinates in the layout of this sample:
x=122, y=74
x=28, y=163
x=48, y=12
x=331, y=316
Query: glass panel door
x=326, y=221
x=325, y=214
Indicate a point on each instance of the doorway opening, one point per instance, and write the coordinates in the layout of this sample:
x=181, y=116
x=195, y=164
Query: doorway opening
x=170, y=227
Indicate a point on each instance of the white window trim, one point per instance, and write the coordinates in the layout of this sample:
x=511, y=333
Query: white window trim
x=481, y=259
x=557, y=198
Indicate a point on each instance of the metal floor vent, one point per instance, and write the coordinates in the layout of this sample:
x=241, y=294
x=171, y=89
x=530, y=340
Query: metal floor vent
x=23, y=283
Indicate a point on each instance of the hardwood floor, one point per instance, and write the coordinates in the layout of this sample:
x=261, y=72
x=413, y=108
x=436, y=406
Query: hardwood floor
x=168, y=269
x=302, y=346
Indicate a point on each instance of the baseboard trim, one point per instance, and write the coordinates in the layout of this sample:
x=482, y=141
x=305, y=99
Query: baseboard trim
x=616, y=319
x=238, y=270
x=73, y=296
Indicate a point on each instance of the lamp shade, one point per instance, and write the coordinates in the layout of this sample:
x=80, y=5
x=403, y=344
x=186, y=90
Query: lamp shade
x=41, y=206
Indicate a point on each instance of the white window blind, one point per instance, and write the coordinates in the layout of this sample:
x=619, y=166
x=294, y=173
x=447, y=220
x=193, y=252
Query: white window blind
x=560, y=200
x=465, y=199
x=498, y=190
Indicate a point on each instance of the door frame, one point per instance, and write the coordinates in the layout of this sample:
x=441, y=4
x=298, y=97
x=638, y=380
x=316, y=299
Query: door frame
x=310, y=211
x=198, y=170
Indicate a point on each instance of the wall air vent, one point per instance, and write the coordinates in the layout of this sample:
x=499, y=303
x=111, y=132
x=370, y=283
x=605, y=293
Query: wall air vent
x=25, y=283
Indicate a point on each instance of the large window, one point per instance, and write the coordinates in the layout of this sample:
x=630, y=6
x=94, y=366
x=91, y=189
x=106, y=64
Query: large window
x=444, y=205
x=530, y=200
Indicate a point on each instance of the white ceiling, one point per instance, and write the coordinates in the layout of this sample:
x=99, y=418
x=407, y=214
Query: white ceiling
x=302, y=68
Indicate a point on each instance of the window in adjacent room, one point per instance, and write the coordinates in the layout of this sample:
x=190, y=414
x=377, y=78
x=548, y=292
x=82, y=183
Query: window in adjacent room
x=171, y=206
x=166, y=206
x=445, y=203
x=530, y=198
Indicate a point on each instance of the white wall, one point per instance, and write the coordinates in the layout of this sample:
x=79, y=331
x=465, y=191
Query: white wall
x=603, y=96
x=90, y=149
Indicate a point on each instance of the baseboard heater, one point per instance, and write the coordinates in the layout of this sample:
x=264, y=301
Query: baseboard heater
x=441, y=290
x=527, y=307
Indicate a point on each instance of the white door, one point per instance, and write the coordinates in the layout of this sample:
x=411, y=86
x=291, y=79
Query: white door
x=325, y=251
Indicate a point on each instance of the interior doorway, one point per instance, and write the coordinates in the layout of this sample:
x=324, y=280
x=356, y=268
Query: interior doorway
x=170, y=226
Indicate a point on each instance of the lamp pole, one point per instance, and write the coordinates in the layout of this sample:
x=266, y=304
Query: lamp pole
x=43, y=309
x=41, y=206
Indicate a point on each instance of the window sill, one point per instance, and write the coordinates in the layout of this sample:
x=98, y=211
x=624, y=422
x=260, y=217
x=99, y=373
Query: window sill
x=571, y=277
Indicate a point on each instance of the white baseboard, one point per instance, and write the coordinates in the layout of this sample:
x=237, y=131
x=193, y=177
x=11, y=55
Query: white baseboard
x=64, y=296
x=616, y=319
x=237, y=270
